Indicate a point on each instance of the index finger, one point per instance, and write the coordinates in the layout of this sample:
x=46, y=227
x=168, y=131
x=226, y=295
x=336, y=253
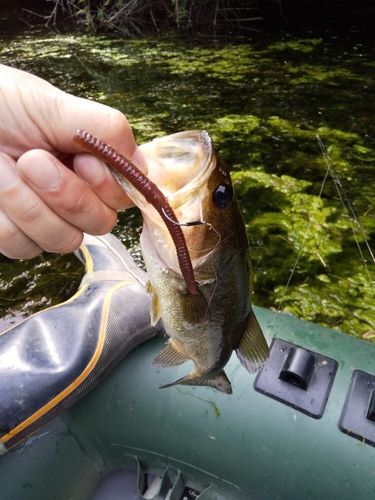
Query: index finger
x=109, y=124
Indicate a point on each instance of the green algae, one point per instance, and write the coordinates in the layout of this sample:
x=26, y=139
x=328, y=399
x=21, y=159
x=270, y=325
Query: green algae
x=306, y=45
x=264, y=102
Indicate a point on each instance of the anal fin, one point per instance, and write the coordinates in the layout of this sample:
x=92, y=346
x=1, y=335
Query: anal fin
x=169, y=356
x=252, y=350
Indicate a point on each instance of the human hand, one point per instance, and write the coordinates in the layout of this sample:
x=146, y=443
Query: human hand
x=50, y=193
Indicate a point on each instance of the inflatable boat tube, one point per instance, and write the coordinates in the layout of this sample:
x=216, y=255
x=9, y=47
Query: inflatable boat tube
x=303, y=428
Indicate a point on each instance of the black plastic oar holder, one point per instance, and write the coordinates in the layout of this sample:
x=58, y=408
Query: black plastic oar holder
x=297, y=377
x=358, y=414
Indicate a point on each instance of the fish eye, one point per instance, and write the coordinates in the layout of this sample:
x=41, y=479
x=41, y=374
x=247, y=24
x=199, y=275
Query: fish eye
x=223, y=196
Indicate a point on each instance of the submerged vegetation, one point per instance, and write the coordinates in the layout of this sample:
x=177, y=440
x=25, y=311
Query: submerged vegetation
x=264, y=102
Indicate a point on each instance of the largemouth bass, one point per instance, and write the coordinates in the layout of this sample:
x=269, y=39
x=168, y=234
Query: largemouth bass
x=204, y=301
x=207, y=326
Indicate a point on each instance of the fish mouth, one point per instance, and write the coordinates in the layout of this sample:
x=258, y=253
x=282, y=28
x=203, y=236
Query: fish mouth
x=180, y=165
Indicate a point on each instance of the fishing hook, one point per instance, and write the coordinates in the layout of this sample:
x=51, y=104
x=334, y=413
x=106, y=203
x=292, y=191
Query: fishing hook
x=185, y=224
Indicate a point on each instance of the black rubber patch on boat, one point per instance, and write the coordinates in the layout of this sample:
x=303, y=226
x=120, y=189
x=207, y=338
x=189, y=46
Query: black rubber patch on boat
x=358, y=414
x=297, y=377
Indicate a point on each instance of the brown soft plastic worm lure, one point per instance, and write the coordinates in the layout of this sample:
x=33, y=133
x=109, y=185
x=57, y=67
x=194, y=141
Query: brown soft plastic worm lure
x=150, y=191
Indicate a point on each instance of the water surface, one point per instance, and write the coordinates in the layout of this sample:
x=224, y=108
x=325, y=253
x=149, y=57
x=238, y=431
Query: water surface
x=263, y=100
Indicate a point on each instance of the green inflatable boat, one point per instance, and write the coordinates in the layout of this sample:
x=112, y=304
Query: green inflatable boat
x=82, y=417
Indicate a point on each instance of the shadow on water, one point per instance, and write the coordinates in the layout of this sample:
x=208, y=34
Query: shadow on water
x=263, y=99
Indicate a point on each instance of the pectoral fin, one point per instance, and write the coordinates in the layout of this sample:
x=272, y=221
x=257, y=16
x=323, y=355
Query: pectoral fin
x=195, y=307
x=155, y=304
x=219, y=381
x=169, y=356
x=252, y=350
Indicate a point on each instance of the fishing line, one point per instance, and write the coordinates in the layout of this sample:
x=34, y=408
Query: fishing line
x=197, y=223
x=212, y=266
x=301, y=248
x=351, y=216
x=348, y=208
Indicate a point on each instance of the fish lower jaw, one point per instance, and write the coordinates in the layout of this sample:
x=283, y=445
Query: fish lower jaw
x=208, y=281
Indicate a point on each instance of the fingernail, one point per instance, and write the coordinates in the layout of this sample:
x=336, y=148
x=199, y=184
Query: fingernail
x=8, y=173
x=140, y=161
x=41, y=172
x=90, y=169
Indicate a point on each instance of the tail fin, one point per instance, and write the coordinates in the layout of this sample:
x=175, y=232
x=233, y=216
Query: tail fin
x=219, y=381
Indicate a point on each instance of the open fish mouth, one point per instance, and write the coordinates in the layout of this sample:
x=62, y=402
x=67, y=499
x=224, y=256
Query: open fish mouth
x=180, y=165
